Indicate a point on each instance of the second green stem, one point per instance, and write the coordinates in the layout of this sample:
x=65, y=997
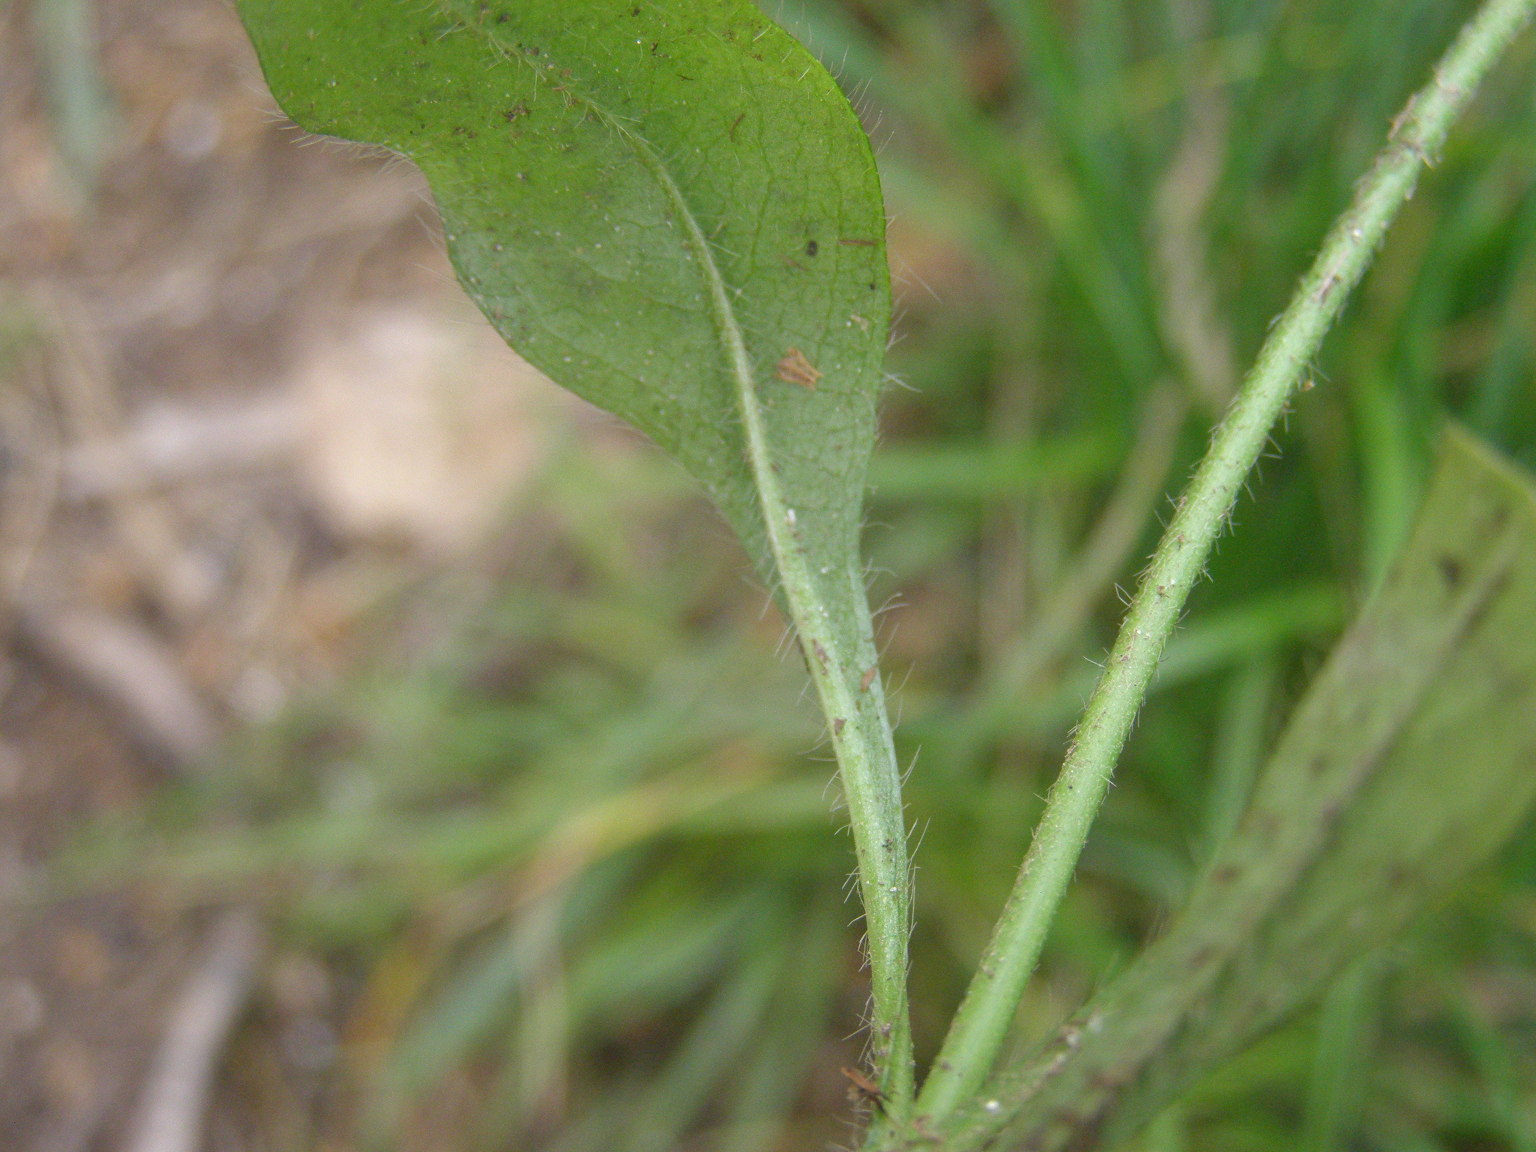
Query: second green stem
x=986, y=1014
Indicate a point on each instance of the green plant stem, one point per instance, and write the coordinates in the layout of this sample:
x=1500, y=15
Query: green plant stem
x=985, y=1015
x=836, y=633
x=844, y=666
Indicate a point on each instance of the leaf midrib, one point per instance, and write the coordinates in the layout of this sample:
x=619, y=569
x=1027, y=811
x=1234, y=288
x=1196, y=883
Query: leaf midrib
x=723, y=316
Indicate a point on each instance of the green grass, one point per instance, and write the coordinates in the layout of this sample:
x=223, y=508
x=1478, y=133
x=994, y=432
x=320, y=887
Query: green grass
x=580, y=859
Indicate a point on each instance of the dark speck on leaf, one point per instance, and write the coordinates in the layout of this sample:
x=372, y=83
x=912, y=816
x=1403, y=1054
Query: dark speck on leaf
x=1450, y=570
x=811, y=248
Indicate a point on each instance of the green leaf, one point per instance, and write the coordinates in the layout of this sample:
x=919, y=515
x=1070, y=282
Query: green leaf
x=1405, y=766
x=669, y=207
x=665, y=205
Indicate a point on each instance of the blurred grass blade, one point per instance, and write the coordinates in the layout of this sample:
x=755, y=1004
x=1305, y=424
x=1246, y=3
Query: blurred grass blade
x=1238, y=751
x=1406, y=765
x=79, y=103
x=1340, y=1066
x=725, y=1032
x=968, y=472
x=774, y=1069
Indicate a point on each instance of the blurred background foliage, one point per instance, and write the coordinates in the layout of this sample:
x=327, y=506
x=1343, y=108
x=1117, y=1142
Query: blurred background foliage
x=570, y=840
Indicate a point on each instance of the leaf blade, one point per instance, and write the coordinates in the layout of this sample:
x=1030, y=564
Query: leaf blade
x=629, y=190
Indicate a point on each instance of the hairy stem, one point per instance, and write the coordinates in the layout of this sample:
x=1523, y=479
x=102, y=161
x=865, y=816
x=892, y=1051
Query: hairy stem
x=983, y=1021
x=836, y=633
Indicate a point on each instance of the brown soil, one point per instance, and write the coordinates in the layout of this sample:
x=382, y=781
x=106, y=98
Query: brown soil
x=215, y=347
